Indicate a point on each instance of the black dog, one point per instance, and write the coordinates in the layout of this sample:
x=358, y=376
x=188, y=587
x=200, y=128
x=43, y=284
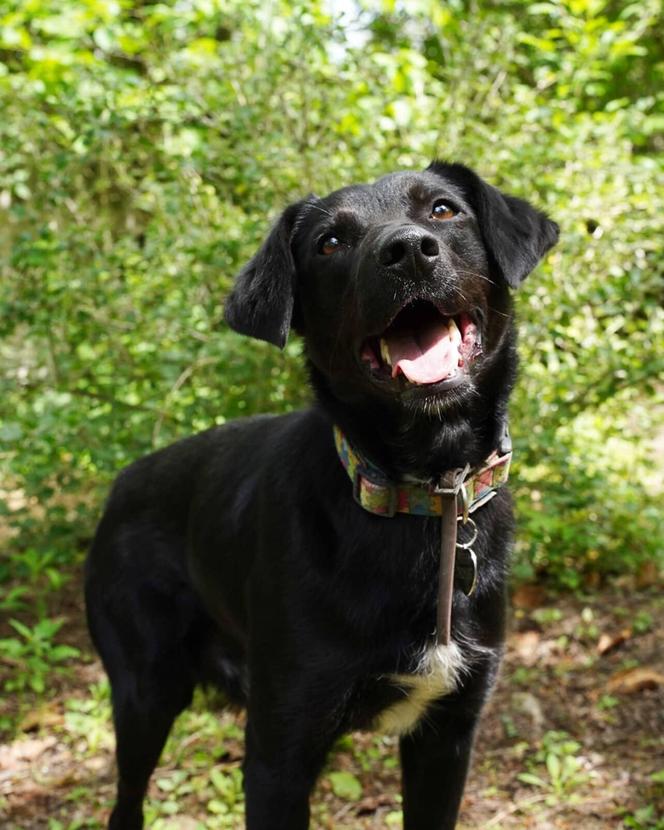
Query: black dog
x=246, y=557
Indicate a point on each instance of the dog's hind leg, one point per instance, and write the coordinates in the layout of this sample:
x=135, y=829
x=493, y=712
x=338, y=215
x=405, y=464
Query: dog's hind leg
x=142, y=724
x=151, y=683
x=145, y=622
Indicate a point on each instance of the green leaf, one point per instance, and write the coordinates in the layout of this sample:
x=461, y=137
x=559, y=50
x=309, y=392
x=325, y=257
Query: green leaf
x=553, y=766
x=345, y=785
x=22, y=629
x=533, y=780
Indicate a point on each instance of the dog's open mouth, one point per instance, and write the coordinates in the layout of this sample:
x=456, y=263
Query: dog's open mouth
x=424, y=345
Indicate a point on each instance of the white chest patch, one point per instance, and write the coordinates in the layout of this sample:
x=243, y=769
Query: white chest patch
x=437, y=674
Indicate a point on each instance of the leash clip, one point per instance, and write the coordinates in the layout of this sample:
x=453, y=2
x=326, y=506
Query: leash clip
x=452, y=482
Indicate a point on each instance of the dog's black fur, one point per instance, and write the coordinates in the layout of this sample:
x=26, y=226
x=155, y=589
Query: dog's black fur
x=238, y=557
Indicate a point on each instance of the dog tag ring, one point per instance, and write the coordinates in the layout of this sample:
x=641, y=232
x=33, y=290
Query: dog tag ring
x=466, y=570
x=466, y=561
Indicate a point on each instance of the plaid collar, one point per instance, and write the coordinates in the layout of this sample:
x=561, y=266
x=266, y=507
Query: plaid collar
x=374, y=492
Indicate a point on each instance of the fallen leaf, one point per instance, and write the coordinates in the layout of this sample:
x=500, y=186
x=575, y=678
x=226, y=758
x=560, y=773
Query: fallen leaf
x=648, y=575
x=40, y=718
x=635, y=680
x=526, y=645
x=529, y=597
x=231, y=753
x=27, y=750
x=607, y=642
x=592, y=580
x=529, y=705
x=626, y=582
x=370, y=804
x=97, y=763
x=182, y=823
x=66, y=778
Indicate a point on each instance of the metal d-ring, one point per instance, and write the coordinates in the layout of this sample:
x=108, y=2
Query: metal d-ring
x=467, y=545
x=473, y=584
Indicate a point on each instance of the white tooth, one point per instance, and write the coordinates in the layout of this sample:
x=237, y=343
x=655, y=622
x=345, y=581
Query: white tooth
x=452, y=328
x=385, y=352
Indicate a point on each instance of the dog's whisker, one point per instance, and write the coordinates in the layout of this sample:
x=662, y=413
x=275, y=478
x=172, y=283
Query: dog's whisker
x=500, y=313
x=321, y=209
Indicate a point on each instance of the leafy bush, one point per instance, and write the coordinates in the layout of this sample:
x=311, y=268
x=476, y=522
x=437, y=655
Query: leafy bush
x=146, y=147
x=34, y=655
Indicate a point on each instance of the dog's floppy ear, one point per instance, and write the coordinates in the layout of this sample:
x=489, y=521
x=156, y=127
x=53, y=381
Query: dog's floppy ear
x=516, y=234
x=262, y=299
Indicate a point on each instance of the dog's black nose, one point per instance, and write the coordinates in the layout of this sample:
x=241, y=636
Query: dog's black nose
x=406, y=243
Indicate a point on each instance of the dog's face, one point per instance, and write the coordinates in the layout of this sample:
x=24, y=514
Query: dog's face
x=400, y=288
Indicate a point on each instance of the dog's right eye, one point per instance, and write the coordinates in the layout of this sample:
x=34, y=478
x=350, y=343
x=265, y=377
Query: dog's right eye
x=442, y=211
x=329, y=244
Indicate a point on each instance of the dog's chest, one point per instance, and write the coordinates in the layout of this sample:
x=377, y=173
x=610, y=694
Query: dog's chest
x=437, y=674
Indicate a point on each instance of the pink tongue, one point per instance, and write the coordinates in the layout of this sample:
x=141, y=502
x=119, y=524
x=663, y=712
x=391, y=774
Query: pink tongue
x=428, y=357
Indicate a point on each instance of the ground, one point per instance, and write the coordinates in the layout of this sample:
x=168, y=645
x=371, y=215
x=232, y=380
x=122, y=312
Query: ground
x=573, y=737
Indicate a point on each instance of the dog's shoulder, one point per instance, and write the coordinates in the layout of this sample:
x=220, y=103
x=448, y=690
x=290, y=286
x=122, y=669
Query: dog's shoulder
x=171, y=475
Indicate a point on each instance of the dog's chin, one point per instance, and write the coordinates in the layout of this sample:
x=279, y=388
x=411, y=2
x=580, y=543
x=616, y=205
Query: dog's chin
x=427, y=399
x=446, y=392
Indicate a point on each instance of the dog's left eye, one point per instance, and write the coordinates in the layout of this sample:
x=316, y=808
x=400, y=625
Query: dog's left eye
x=329, y=244
x=441, y=210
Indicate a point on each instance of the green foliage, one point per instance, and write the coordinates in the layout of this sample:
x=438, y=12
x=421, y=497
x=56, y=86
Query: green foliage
x=144, y=149
x=88, y=718
x=642, y=622
x=345, y=785
x=644, y=818
x=556, y=768
x=34, y=654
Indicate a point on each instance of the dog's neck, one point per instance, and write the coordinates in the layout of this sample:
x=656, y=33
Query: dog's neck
x=422, y=444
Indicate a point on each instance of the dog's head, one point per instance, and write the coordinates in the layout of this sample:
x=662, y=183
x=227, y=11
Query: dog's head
x=400, y=288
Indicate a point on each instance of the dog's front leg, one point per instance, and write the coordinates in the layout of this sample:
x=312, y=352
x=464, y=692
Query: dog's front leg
x=287, y=740
x=277, y=788
x=434, y=763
